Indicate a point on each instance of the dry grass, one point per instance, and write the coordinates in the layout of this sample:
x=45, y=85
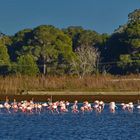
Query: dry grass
x=16, y=84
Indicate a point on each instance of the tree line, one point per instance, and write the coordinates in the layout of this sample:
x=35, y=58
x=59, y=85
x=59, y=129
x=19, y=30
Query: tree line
x=74, y=50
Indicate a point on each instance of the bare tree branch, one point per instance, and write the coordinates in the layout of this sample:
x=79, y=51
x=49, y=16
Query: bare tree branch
x=86, y=61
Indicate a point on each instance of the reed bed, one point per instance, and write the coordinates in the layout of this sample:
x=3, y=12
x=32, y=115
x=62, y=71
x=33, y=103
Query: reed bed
x=16, y=84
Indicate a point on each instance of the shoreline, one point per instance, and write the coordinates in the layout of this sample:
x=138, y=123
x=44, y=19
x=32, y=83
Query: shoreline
x=123, y=97
x=55, y=93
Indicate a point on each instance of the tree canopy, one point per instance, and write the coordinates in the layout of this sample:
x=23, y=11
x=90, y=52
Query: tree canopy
x=50, y=50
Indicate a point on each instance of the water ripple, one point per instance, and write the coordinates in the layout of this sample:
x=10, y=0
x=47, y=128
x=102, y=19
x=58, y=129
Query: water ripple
x=68, y=126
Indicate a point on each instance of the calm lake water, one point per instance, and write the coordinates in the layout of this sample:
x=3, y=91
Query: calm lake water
x=69, y=126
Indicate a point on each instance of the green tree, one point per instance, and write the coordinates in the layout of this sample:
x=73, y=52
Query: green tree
x=124, y=45
x=82, y=37
x=54, y=47
x=50, y=47
x=4, y=59
x=27, y=65
x=74, y=33
x=133, y=40
x=134, y=16
x=89, y=38
x=20, y=39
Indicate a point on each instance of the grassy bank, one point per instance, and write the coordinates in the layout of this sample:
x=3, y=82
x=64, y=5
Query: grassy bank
x=18, y=83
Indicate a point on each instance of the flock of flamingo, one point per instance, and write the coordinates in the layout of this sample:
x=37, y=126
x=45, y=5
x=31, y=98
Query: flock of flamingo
x=61, y=106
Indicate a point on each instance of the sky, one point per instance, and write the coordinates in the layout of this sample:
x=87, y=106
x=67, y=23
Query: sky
x=103, y=16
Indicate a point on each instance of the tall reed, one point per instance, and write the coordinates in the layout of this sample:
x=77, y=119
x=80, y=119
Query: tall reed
x=15, y=84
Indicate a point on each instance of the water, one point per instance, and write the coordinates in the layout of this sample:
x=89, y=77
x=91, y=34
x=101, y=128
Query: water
x=69, y=126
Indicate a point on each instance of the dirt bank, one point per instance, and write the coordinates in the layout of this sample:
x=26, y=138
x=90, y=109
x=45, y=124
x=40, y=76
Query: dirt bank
x=71, y=98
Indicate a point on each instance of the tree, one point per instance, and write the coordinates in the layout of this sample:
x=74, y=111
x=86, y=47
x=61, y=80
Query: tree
x=103, y=46
x=4, y=59
x=134, y=16
x=82, y=37
x=50, y=47
x=89, y=38
x=125, y=61
x=74, y=33
x=124, y=45
x=86, y=61
x=130, y=63
x=20, y=39
x=53, y=47
x=133, y=42
x=26, y=65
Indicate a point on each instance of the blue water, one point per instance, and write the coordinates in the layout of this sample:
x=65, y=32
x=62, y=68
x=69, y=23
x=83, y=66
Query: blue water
x=69, y=126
